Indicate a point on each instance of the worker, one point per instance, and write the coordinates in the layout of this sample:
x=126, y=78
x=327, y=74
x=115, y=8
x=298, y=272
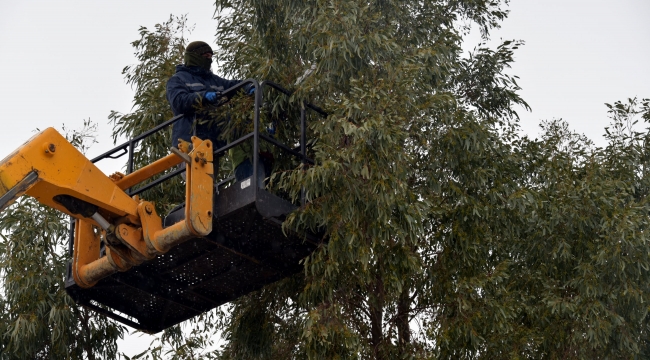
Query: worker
x=190, y=90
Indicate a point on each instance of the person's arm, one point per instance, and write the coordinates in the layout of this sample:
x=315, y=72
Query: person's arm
x=181, y=98
x=227, y=84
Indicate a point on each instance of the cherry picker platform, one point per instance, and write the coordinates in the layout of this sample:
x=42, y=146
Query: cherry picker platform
x=149, y=271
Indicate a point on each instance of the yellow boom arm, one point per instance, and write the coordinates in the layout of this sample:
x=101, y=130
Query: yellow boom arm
x=50, y=169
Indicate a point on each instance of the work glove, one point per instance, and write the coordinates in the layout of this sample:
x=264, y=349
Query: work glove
x=211, y=96
x=251, y=91
x=270, y=129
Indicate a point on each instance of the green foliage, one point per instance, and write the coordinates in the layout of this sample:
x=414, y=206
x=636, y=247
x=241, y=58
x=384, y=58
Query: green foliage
x=38, y=319
x=449, y=235
x=157, y=52
x=588, y=217
x=390, y=75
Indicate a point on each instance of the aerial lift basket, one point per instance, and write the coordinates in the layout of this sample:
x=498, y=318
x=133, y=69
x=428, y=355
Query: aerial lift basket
x=152, y=272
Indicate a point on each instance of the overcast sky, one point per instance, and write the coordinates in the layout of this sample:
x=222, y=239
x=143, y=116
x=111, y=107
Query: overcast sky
x=579, y=55
x=62, y=61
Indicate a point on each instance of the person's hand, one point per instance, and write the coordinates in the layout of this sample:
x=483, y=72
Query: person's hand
x=211, y=96
x=270, y=129
x=251, y=91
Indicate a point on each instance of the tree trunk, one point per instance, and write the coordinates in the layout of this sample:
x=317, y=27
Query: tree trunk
x=376, y=310
x=403, y=312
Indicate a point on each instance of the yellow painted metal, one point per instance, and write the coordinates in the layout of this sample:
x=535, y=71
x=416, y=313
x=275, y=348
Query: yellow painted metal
x=91, y=273
x=198, y=208
x=184, y=146
x=48, y=165
x=131, y=238
x=84, y=253
x=199, y=188
x=139, y=244
x=116, y=261
x=151, y=224
x=171, y=236
x=87, y=266
x=62, y=170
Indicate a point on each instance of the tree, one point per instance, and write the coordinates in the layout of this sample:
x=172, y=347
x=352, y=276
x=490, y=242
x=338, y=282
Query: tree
x=38, y=319
x=583, y=269
x=408, y=117
x=449, y=234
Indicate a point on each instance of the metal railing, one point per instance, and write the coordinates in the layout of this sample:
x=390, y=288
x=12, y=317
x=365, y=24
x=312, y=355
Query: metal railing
x=129, y=146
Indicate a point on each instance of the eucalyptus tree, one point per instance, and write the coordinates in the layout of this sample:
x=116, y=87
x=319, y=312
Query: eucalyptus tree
x=582, y=261
x=412, y=126
x=449, y=234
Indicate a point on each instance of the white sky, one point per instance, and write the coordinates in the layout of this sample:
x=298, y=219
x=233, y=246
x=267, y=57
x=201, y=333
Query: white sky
x=579, y=55
x=63, y=59
x=62, y=62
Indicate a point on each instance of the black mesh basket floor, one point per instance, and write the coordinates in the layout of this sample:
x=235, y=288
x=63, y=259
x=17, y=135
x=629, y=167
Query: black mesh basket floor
x=246, y=250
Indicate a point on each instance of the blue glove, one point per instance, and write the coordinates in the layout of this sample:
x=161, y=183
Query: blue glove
x=251, y=91
x=211, y=96
x=270, y=129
